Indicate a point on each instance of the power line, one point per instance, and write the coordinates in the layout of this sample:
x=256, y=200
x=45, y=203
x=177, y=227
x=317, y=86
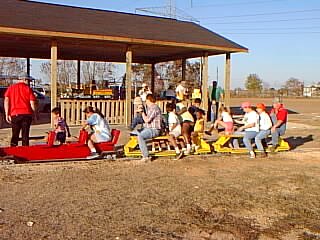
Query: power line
x=262, y=14
x=268, y=33
x=261, y=29
x=264, y=21
x=230, y=4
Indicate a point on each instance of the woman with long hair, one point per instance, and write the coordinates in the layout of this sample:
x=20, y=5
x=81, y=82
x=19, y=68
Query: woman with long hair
x=101, y=130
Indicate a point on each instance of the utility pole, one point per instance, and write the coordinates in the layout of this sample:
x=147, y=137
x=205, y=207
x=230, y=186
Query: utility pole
x=217, y=75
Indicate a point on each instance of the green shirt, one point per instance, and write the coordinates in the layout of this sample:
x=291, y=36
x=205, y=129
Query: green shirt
x=215, y=94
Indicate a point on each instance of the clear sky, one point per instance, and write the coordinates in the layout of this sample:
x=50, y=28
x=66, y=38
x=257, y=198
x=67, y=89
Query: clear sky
x=283, y=36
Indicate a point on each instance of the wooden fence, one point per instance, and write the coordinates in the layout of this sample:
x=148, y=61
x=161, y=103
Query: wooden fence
x=113, y=110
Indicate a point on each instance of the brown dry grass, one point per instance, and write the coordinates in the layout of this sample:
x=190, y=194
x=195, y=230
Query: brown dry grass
x=205, y=197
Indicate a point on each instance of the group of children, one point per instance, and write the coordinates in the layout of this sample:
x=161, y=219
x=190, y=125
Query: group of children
x=256, y=124
x=185, y=122
x=188, y=122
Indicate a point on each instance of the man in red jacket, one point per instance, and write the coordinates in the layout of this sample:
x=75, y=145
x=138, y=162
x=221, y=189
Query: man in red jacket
x=19, y=105
x=279, y=117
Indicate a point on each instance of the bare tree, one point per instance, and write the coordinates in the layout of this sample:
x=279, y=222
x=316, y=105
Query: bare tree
x=12, y=66
x=93, y=73
x=294, y=86
x=193, y=74
x=171, y=71
x=67, y=73
x=254, y=83
x=98, y=73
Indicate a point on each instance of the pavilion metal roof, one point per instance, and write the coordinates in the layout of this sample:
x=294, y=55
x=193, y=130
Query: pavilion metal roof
x=27, y=29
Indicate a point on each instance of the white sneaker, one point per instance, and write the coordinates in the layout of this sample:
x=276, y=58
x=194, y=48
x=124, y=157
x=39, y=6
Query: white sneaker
x=145, y=159
x=252, y=154
x=179, y=155
x=93, y=155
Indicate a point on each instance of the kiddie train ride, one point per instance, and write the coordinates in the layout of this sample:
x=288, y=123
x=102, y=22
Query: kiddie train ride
x=78, y=150
x=50, y=152
x=160, y=147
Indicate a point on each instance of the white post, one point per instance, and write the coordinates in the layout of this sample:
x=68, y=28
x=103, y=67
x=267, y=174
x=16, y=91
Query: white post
x=128, y=85
x=227, y=80
x=205, y=76
x=53, y=75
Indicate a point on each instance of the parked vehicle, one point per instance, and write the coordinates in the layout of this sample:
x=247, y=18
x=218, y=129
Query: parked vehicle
x=40, y=89
x=44, y=102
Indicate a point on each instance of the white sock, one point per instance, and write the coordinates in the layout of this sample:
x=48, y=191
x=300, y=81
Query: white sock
x=93, y=150
x=177, y=149
x=188, y=146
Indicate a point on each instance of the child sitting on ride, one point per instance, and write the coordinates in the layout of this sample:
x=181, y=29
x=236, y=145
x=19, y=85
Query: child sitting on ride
x=61, y=128
x=198, y=129
x=101, y=130
x=194, y=107
x=224, y=120
x=187, y=123
x=174, y=128
x=138, y=109
x=250, y=128
x=265, y=125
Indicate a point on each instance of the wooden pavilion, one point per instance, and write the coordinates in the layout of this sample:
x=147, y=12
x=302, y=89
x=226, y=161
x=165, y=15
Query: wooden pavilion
x=38, y=30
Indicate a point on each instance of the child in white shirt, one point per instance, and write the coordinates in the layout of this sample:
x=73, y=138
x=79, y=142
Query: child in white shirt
x=249, y=129
x=174, y=128
x=224, y=120
x=265, y=125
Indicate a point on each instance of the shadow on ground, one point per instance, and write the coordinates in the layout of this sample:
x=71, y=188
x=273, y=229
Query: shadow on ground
x=295, y=142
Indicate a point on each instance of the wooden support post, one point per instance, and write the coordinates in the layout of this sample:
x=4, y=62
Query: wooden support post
x=227, y=80
x=54, y=75
x=128, y=85
x=78, y=74
x=28, y=66
x=153, y=77
x=204, y=83
x=183, y=66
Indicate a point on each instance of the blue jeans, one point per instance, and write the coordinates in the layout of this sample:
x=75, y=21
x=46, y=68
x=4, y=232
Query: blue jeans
x=247, y=137
x=263, y=134
x=146, y=133
x=214, y=111
x=279, y=131
x=136, y=120
x=276, y=134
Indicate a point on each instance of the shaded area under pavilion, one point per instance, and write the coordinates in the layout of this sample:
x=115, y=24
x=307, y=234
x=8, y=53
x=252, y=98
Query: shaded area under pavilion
x=48, y=31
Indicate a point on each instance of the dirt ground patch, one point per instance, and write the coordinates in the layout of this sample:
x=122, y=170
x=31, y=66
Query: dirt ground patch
x=198, y=198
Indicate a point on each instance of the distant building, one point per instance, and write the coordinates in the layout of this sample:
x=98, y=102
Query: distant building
x=311, y=91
